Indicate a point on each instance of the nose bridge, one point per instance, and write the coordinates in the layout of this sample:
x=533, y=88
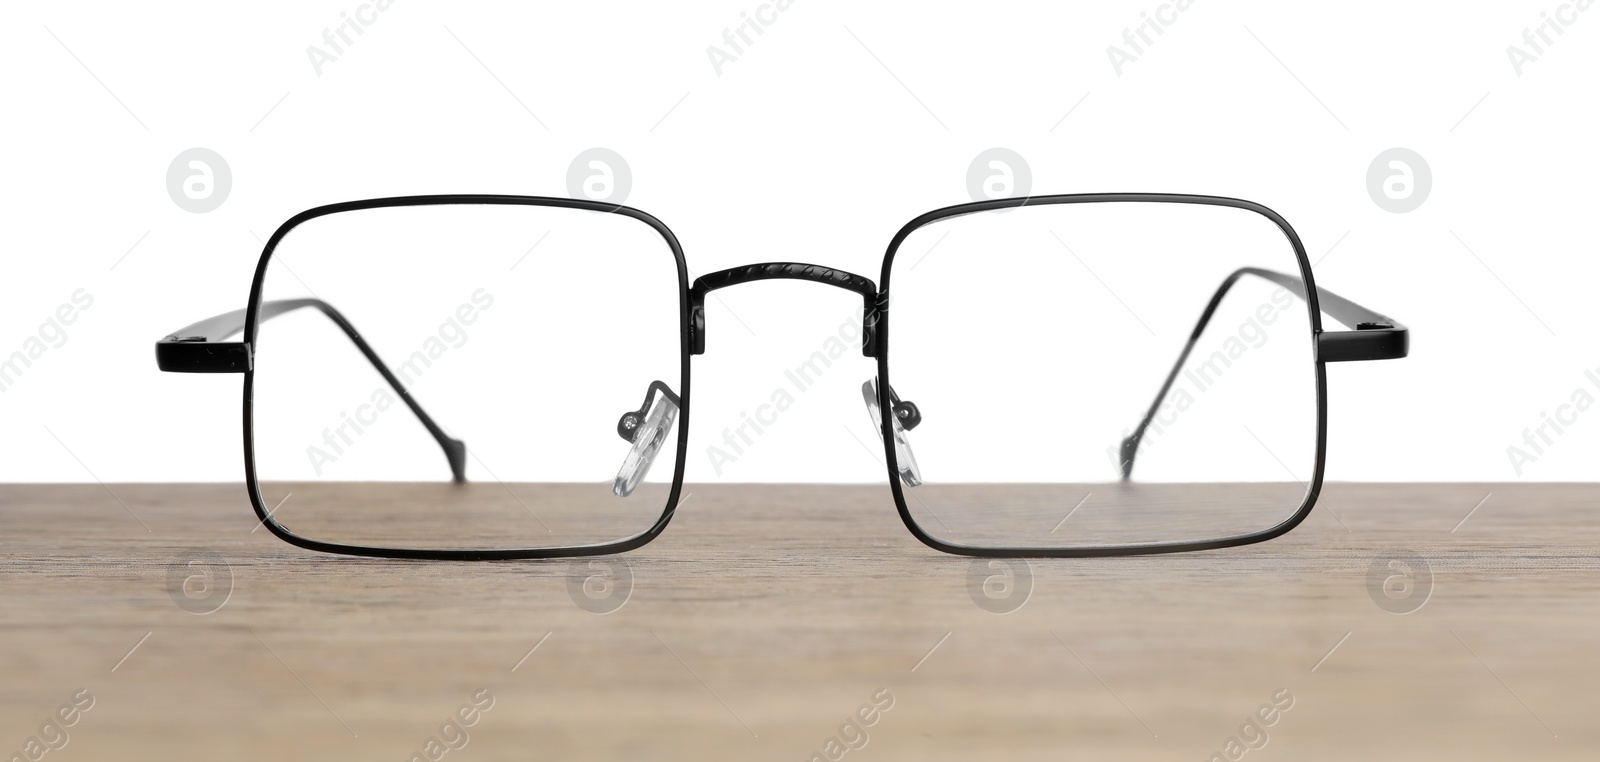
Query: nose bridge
x=705, y=284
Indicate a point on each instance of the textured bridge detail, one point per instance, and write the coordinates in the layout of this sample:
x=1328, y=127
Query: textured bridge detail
x=848, y=281
x=786, y=270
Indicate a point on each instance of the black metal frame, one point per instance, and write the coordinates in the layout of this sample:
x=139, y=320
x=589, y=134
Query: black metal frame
x=201, y=348
x=1386, y=341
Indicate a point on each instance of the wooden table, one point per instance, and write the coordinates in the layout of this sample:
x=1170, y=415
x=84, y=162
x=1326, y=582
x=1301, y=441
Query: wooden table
x=768, y=615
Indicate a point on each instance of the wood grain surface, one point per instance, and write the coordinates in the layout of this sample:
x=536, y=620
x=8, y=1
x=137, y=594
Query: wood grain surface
x=784, y=621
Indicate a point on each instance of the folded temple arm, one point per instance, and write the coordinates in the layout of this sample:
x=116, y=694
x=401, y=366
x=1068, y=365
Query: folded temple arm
x=199, y=348
x=1376, y=337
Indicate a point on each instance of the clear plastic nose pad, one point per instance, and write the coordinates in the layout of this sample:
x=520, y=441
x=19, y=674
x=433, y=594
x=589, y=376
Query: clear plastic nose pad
x=909, y=473
x=648, y=439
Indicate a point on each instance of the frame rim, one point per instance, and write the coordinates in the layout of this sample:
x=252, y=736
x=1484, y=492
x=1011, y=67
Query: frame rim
x=1314, y=485
x=252, y=483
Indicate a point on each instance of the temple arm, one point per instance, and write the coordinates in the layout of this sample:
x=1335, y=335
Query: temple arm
x=199, y=348
x=1376, y=337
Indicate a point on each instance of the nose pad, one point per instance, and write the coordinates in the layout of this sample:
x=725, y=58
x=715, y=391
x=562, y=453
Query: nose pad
x=648, y=439
x=909, y=473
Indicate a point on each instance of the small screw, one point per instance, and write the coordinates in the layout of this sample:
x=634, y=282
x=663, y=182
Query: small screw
x=630, y=423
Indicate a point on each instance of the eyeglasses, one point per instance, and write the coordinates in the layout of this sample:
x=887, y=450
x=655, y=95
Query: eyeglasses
x=1050, y=344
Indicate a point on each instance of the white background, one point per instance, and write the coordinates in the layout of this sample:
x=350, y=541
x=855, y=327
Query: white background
x=840, y=123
